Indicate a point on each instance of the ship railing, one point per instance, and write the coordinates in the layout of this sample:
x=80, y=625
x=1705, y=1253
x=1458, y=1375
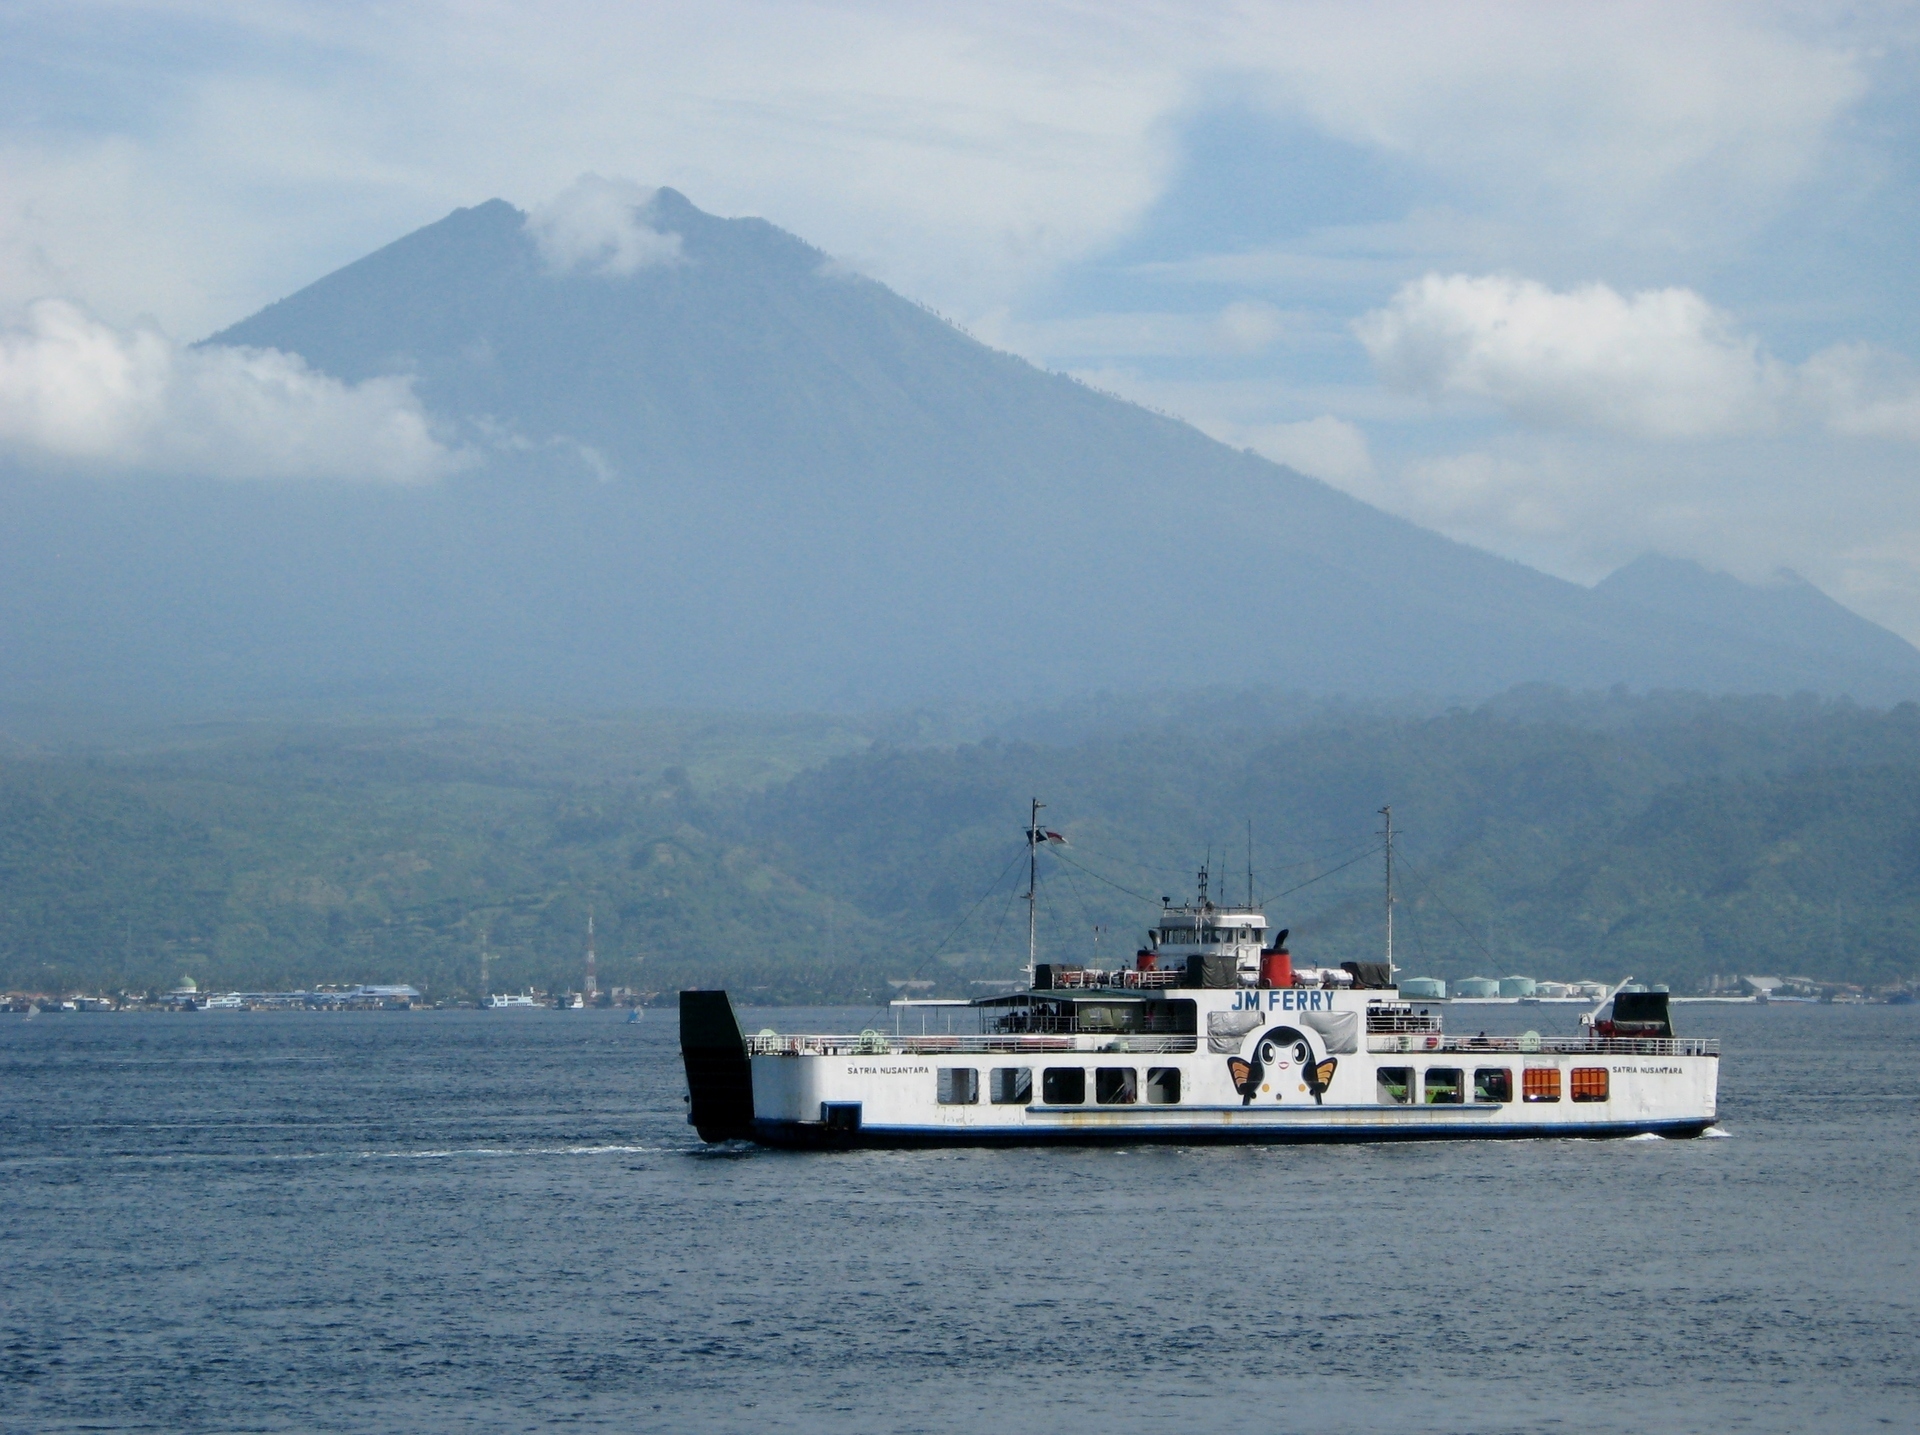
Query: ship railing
x=1124, y=979
x=878, y=1043
x=1397, y=1023
x=1432, y=1044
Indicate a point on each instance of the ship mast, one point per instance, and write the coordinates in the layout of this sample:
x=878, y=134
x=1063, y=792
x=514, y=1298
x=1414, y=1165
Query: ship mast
x=1387, y=812
x=1033, y=884
x=593, y=984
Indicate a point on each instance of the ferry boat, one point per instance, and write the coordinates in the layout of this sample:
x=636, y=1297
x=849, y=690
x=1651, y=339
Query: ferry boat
x=513, y=1001
x=1212, y=1035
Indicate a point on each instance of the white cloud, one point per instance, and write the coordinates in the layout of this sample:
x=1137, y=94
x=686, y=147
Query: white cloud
x=79, y=393
x=969, y=150
x=1660, y=364
x=1864, y=392
x=594, y=226
x=1537, y=500
x=1650, y=126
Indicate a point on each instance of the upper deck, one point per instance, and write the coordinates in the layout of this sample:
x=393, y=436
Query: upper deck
x=1172, y=1011
x=1171, y=1020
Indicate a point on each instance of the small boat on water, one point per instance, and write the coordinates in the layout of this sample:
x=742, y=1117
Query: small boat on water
x=1213, y=1035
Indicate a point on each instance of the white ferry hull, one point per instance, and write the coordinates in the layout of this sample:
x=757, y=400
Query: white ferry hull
x=897, y=1105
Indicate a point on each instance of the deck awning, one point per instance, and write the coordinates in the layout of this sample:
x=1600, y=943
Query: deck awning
x=1095, y=996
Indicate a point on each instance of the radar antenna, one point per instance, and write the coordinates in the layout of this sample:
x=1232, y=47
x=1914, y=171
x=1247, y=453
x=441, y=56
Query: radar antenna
x=1387, y=812
x=1249, y=863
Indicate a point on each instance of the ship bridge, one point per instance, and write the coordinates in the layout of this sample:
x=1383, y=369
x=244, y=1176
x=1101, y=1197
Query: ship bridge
x=1200, y=929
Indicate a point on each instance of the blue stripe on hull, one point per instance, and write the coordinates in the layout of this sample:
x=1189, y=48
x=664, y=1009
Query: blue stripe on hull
x=799, y=1135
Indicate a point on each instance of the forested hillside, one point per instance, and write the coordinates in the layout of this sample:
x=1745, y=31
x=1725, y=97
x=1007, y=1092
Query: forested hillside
x=1671, y=837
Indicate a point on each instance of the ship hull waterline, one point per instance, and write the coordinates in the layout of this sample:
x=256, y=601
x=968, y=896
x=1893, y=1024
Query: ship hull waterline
x=811, y=1136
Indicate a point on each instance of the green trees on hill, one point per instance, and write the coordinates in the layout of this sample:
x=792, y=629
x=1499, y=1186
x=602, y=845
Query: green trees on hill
x=804, y=860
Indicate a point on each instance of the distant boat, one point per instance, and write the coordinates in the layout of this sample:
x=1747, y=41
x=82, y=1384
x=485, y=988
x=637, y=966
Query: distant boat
x=633, y=1015
x=512, y=1001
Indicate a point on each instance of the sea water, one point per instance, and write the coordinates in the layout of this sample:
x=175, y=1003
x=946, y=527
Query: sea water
x=477, y=1221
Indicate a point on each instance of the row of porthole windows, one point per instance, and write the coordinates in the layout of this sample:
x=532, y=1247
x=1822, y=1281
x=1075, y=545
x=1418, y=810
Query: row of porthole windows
x=1060, y=1085
x=1446, y=1085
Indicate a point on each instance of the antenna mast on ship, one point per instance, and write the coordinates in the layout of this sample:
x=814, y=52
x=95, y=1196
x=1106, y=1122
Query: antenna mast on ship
x=593, y=983
x=1387, y=812
x=1034, y=838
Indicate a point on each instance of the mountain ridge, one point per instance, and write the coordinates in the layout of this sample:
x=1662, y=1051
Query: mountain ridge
x=1789, y=610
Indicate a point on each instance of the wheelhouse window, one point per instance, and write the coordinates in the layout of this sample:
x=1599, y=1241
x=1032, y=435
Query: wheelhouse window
x=1492, y=1083
x=1163, y=1086
x=1116, y=1085
x=1589, y=1083
x=1444, y=1086
x=959, y=1085
x=1540, y=1083
x=1394, y=1085
x=1063, y=1085
x=1012, y=1085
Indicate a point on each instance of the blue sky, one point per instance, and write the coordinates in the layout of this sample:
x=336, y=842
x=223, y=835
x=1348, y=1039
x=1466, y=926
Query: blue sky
x=1567, y=282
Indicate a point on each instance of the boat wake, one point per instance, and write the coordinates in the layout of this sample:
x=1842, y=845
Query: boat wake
x=451, y=1152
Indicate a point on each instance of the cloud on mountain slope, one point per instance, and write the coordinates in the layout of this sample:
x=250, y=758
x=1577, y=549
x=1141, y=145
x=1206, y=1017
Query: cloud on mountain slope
x=84, y=395
x=593, y=226
x=1325, y=447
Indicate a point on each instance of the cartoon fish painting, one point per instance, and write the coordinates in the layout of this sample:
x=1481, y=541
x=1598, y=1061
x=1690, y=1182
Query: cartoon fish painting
x=1278, y=1050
